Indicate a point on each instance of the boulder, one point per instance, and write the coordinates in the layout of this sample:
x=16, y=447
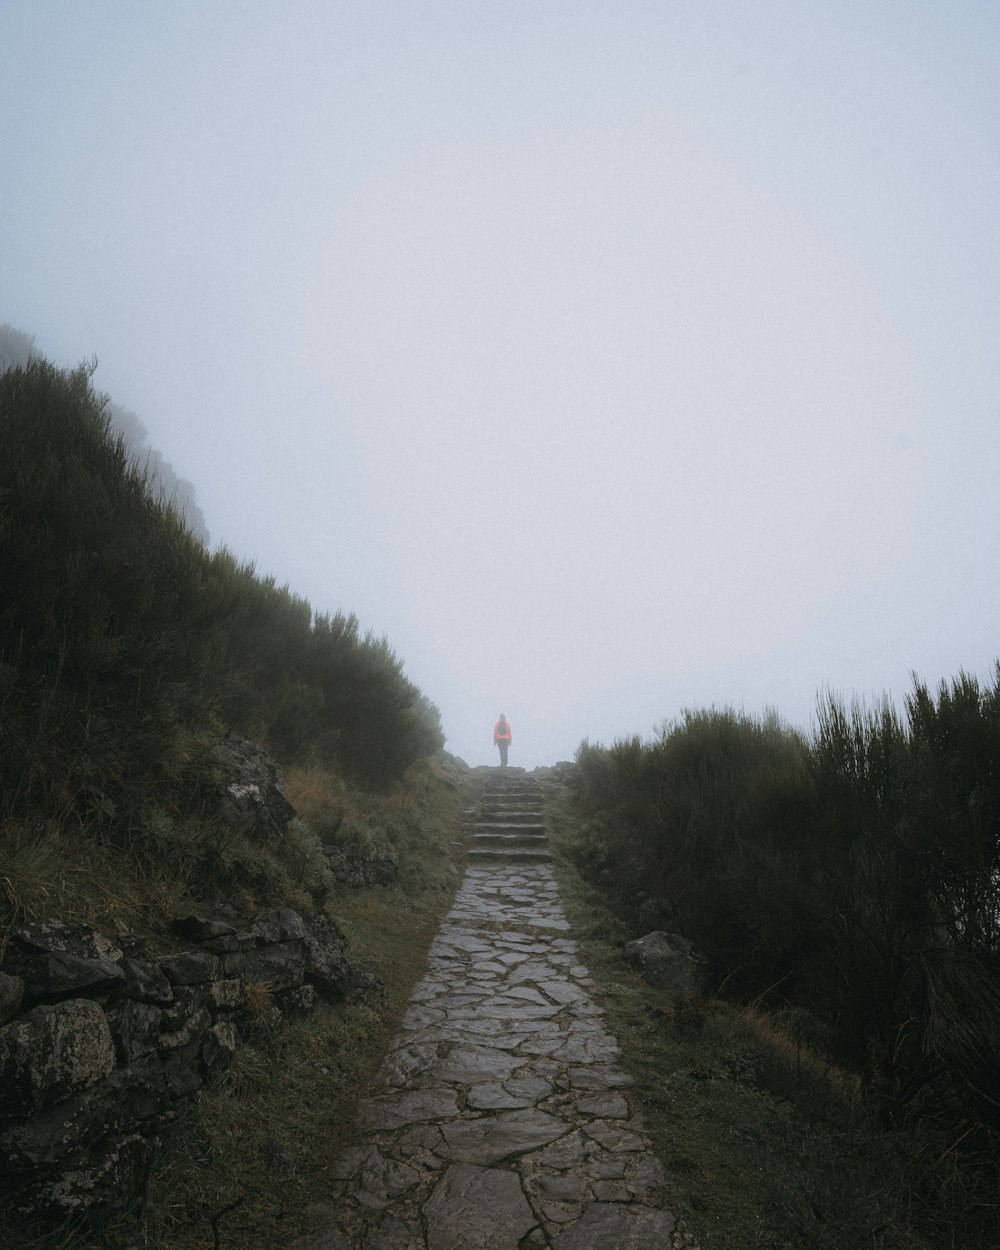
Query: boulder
x=45, y=937
x=146, y=982
x=376, y=863
x=279, y=966
x=283, y=924
x=57, y=960
x=200, y=928
x=328, y=965
x=52, y=1051
x=135, y=1028
x=248, y=786
x=667, y=961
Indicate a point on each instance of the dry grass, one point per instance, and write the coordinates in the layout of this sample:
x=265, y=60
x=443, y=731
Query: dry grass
x=312, y=789
x=52, y=871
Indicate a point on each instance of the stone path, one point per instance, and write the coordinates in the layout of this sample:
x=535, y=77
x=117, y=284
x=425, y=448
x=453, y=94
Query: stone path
x=501, y=1121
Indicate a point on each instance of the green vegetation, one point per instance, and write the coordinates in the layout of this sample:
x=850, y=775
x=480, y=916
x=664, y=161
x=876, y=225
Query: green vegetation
x=127, y=651
x=842, y=1085
x=849, y=886
x=766, y=1142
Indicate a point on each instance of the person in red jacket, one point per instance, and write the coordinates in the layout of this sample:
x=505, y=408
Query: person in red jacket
x=501, y=736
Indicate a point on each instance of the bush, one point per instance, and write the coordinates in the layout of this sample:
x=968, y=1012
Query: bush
x=854, y=878
x=126, y=648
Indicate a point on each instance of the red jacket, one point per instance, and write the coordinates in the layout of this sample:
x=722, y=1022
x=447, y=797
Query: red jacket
x=499, y=735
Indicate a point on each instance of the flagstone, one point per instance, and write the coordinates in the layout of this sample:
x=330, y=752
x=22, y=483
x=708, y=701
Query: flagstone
x=468, y=1065
x=492, y=1138
x=533, y=1087
x=404, y=1107
x=613, y=1137
x=569, y=1151
x=492, y=1096
x=419, y=1017
x=500, y=1104
x=405, y=1062
x=477, y=1207
x=598, y=1076
x=607, y=1106
x=624, y=1227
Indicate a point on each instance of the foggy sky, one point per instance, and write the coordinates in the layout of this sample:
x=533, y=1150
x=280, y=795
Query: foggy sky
x=608, y=358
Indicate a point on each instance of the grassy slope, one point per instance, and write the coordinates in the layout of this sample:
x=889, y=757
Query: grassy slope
x=765, y=1144
x=262, y=1136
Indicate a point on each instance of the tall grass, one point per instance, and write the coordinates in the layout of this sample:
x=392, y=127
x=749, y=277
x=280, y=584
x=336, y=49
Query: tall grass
x=851, y=878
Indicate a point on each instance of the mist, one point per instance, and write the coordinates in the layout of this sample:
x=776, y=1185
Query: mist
x=608, y=360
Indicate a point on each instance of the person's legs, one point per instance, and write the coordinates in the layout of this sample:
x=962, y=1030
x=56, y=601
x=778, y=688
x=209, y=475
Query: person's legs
x=503, y=753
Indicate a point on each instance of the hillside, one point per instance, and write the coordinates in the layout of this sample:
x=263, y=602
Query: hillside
x=181, y=738
x=229, y=834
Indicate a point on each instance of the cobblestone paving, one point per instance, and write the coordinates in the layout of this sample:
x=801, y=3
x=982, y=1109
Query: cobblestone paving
x=501, y=1121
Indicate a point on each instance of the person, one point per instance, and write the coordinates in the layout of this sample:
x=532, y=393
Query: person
x=502, y=737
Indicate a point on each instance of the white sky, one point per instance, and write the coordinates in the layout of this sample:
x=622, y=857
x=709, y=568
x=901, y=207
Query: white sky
x=609, y=358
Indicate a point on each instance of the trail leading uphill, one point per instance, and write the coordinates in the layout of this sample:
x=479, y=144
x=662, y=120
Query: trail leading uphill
x=500, y=1119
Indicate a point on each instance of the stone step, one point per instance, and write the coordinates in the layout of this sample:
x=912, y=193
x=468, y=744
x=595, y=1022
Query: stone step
x=509, y=839
x=503, y=826
x=512, y=813
x=520, y=855
x=511, y=800
x=506, y=813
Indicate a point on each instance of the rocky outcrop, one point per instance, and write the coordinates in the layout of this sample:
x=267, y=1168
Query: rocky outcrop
x=98, y=1047
x=357, y=866
x=248, y=788
x=668, y=961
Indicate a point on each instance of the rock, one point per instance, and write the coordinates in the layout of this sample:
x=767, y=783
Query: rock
x=45, y=937
x=481, y=1207
x=668, y=961
x=135, y=1028
x=61, y=975
x=630, y=1227
x=200, y=928
x=146, y=982
x=248, y=788
x=393, y=1111
x=302, y=998
x=280, y=925
x=50, y=1052
x=385, y=1178
x=195, y=968
x=189, y=1028
x=496, y=1137
x=376, y=863
x=606, y=1106
x=328, y=964
x=493, y=1097
x=11, y=996
x=57, y=960
x=228, y=994
x=280, y=967
x=220, y=1042
x=115, y=1042
x=466, y=1065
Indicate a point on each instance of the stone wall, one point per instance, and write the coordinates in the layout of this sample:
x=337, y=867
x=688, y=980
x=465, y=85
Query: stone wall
x=102, y=1040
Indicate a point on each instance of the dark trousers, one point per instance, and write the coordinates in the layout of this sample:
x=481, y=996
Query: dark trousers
x=503, y=744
